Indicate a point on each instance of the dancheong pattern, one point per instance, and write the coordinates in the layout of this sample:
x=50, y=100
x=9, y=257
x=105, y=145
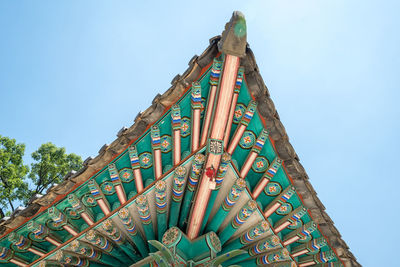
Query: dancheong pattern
x=273, y=189
x=239, y=111
x=260, y=164
x=166, y=143
x=197, y=181
x=107, y=188
x=143, y=209
x=203, y=104
x=284, y=209
x=161, y=196
x=71, y=213
x=126, y=175
x=178, y=183
x=295, y=224
x=146, y=160
x=247, y=140
x=185, y=127
x=88, y=200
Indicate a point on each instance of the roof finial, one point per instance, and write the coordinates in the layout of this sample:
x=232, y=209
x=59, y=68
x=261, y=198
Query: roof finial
x=234, y=37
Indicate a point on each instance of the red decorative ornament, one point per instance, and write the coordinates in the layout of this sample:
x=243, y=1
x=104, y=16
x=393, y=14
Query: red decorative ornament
x=210, y=172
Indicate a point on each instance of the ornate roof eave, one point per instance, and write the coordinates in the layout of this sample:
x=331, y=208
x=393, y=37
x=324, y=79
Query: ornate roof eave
x=160, y=105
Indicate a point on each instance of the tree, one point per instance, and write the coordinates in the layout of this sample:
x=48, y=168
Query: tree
x=12, y=173
x=52, y=164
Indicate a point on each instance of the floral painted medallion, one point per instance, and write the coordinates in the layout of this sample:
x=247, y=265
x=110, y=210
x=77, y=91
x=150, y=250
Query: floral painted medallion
x=146, y=160
x=166, y=143
x=88, y=200
x=273, y=189
x=107, y=188
x=247, y=140
x=260, y=164
x=126, y=175
x=239, y=111
x=71, y=213
x=185, y=127
x=284, y=209
x=295, y=224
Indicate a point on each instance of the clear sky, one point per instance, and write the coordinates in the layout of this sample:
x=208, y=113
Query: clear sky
x=75, y=72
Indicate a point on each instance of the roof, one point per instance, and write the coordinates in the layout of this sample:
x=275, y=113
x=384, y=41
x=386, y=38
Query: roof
x=199, y=66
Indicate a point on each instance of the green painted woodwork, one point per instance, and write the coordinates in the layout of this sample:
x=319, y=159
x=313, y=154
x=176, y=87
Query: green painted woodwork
x=227, y=204
x=97, y=239
x=196, y=95
x=119, y=239
x=23, y=244
x=292, y=217
x=265, y=245
x=161, y=206
x=66, y=257
x=227, y=256
x=167, y=203
x=166, y=253
x=80, y=208
x=130, y=227
x=6, y=254
x=178, y=187
x=143, y=209
x=201, y=249
x=91, y=252
x=59, y=219
x=321, y=257
x=303, y=232
x=261, y=229
x=216, y=71
x=51, y=263
x=40, y=231
x=193, y=180
x=271, y=257
x=312, y=246
x=237, y=220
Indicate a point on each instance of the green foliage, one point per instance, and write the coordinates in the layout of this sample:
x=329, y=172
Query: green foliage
x=12, y=173
x=51, y=165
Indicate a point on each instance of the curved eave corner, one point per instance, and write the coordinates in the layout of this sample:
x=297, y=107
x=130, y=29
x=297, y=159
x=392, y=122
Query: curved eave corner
x=161, y=104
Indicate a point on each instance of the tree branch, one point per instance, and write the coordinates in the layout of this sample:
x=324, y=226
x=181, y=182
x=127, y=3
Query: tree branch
x=11, y=204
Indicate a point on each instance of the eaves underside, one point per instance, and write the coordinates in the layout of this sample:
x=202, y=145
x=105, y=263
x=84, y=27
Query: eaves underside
x=160, y=104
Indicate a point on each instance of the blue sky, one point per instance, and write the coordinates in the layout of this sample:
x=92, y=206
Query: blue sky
x=75, y=72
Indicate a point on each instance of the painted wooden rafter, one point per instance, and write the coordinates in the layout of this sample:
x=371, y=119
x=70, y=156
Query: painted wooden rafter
x=81, y=209
x=112, y=169
x=215, y=75
x=238, y=85
x=244, y=122
x=43, y=233
x=24, y=243
x=229, y=201
x=176, y=133
x=7, y=254
x=99, y=197
x=268, y=175
x=91, y=252
x=134, y=158
x=258, y=145
x=196, y=112
x=215, y=145
x=59, y=218
x=130, y=227
x=156, y=145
